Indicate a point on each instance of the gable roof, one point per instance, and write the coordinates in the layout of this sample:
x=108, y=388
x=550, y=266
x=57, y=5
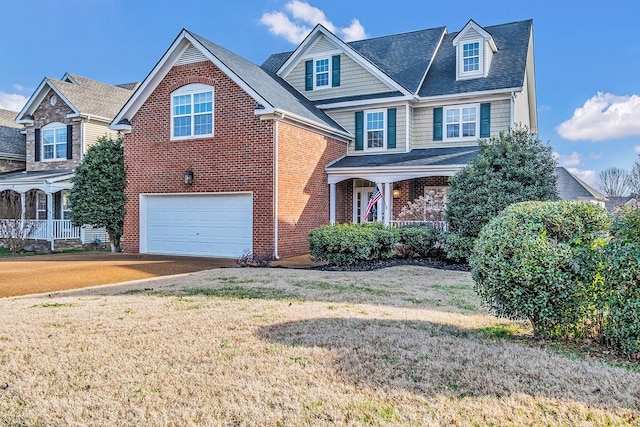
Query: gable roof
x=271, y=92
x=84, y=96
x=507, y=66
x=405, y=57
x=570, y=187
x=12, y=141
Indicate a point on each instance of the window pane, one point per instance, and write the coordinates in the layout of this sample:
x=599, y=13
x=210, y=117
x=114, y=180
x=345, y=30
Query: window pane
x=61, y=134
x=468, y=129
x=47, y=136
x=322, y=66
x=453, y=116
x=203, y=124
x=453, y=131
x=322, y=79
x=375, y=120
x=471, y=64
x=61, y=151
x=202, y=102
x=47, y=152
x=181, y=105
x=469, y=114
x=375, y=139
x=471, y=49
x=182, y=126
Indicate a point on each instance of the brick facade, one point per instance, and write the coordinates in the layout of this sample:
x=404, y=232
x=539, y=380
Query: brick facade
x=44, y=114
x=303, y=192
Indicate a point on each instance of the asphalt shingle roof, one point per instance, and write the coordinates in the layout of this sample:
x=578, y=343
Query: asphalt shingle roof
x=92, y=97
x=448, y=156
x=571, y=187
x=11, y=140
x=269, y=86
x=23, y=177
x=507, y=66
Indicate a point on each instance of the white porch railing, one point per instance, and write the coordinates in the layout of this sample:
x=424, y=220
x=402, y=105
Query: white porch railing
x=438, y=225
x=62, y=229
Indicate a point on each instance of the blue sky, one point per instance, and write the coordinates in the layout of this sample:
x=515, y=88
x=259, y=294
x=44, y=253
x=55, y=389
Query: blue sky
x=587, y=53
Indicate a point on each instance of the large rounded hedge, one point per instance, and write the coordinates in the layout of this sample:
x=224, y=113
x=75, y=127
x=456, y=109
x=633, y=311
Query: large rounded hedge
x=536, y=261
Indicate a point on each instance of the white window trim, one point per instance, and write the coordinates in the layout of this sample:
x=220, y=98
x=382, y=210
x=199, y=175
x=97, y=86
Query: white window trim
x=481, y=53
x=365, y=135
x=191, y=89
x=52, y=127
x=460, y=107
x=64, y=202
x=330, y=80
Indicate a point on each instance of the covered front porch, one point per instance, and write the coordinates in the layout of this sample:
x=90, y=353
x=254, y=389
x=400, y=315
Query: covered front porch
x=401, y=178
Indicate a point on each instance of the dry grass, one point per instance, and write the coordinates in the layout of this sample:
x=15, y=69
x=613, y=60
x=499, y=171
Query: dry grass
x=400, y=346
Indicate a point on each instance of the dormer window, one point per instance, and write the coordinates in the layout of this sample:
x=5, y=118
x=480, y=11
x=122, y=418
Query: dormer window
x=322, y=73
x=474, y=51
x=471, y=57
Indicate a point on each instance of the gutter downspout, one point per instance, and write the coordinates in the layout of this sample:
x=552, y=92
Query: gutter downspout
x=512, y=113
x=275, y=184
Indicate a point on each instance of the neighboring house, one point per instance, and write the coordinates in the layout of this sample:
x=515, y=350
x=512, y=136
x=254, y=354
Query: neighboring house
x=276, y=150
x=61, y=120
x=614, y=203
x=12, y=143
x=570, y=187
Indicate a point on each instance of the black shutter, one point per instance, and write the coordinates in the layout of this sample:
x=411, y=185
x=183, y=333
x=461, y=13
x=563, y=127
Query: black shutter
x=38, y=143
x=308, y=75
x=391, y=128
x=359, y=130
x=335, y=71
x=437, y=124
x=485, y=120
x=69, y=142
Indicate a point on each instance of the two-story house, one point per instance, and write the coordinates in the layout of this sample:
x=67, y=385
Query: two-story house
x=225, y=156
x=61, y=120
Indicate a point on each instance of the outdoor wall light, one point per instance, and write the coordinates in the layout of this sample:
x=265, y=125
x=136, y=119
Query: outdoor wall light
x=396, y=191
x=188, y=177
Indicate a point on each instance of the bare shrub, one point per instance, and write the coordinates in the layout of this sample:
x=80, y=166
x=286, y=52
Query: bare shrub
x=425, y=208
x=14, y=230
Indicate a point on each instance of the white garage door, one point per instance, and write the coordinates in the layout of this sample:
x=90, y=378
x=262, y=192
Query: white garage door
x=218, y=225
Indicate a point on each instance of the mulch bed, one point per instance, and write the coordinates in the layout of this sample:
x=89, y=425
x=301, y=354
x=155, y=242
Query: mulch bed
x=392, y=262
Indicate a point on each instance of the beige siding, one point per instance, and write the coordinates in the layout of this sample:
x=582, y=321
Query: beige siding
x=422, y=135
x=470, y=35
x=354, y=80
x=409, y=143
x=93, y=131
x=521, y=113
x=348, y=120
x=321, y=45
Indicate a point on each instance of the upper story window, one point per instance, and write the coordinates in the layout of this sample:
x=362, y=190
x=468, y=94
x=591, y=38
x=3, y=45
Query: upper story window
x=322, y=73
x=54, y=141
x=461, y=122
x=471, y=57
x=192, y=112
x=375, y=129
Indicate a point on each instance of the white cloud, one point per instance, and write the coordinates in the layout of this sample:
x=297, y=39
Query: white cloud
x=588, y=176
x=568, y=160
x=12, y=101
x=604, y=116
x=542, y=108
x=301, y=19
x=636, y=149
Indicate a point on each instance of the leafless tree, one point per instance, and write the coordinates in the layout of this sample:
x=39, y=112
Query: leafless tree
x=614, y=182
x=14, y=231
x=634, y=178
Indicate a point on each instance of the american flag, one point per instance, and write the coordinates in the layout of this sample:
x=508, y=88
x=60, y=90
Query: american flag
x=377, y=195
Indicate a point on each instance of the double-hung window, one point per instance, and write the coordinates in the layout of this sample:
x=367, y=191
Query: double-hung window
x=322, y=73
x=375, y=129
x=192, y=112
x=471, y=57
x=461, y=122
x=54, y=141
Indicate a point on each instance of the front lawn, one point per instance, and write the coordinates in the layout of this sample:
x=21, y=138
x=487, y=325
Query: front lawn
x=407, y=345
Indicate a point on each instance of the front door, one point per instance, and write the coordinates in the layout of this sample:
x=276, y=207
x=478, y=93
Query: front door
x=362, y=195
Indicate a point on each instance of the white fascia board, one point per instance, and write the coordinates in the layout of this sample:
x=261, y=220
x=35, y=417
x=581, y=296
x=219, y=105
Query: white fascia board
x=36, y=99
x=389, y=173
x=473, y=24
x=298, y=120
x=365, y=102
x=89, y=117
x=464, y=97
x=12, y=156
x=435, y=52
x=68, y=76
x=299, y=54
x=121, y=128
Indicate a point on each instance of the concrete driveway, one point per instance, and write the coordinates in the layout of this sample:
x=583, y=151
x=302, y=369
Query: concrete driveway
x=58, y=272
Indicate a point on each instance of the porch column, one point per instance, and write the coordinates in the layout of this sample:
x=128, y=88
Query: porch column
x=379, y=203
x=332, y=203
x=50, y=218
x=23, y=207
x=387, y=203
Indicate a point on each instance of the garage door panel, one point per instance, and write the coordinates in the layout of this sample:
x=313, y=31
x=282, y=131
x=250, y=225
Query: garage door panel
x=210, y=225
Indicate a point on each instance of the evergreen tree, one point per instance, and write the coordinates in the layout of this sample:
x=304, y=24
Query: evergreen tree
x=97, y=197
x=510, y=168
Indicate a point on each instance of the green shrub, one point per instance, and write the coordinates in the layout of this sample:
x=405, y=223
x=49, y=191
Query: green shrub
x=348, y=244
x=458, y=247
x=421, y=239
x=622, y=275
x=539, y=261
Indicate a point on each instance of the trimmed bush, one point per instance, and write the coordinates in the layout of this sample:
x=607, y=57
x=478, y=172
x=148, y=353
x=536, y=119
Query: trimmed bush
x=539, y=261
x=420, y=239
x=349, y=244
x=622, y=275
x=458, y=247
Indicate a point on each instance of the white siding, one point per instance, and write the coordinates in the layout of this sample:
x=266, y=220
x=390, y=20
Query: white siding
x=190, y=56
x=321, y=45
x=354, y=80
x=521, y=107
x=348, y=120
